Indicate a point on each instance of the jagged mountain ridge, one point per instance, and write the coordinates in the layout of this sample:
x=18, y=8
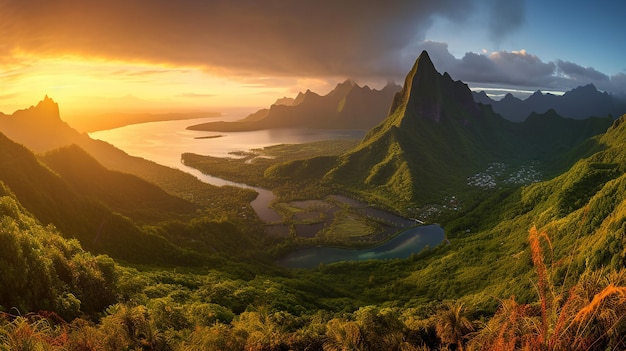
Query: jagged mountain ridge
x=436, y=136
x=579, y=103
x=348, y=106
x=434, y=128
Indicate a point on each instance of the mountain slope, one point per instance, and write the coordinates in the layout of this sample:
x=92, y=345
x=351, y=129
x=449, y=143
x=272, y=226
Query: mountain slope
x=40, y=270
x=52, y=201
x=348, y=106
x=122, y=192
x=41, y=129
x=579, y=103
x=434, y=133
x=87, y=209
x=436, y=137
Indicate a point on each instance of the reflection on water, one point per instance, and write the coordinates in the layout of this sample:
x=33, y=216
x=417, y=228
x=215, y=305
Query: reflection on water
x=165, y=142
x=403, y=245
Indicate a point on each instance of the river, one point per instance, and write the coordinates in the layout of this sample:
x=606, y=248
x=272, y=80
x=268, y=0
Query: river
x=164, y=142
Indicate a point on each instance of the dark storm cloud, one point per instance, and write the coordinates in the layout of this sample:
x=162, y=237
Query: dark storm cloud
x=520, y=69
x=360, y=39
x=575, y=71
x=277, y=37
x=505, y=17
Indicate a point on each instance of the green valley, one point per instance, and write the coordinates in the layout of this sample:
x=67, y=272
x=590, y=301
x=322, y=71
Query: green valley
x=104, y=251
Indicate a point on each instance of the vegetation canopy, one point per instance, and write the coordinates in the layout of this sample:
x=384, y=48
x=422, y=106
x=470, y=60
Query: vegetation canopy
x=103, y=251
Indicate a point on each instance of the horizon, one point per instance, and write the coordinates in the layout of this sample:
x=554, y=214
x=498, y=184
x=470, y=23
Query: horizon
x=213, y=57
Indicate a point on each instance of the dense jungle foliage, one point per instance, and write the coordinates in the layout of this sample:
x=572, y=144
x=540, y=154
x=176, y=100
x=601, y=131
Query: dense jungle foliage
x=530, y=274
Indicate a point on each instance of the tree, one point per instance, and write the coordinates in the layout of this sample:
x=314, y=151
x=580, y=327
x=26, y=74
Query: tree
x=452, y=324
x=343, y=335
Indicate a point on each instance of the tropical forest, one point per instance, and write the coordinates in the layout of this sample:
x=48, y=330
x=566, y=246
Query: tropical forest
x=419, y=215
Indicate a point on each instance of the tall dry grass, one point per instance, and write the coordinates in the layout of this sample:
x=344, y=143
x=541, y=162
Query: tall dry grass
x=591, y=315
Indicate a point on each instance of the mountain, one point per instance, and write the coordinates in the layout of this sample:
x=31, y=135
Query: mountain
x=52, y=200
x=348, y=106
x=436, y=137
x=435, y=132
x=579, y=103
x=123, y=193
x=41, y=129
x=115, y=213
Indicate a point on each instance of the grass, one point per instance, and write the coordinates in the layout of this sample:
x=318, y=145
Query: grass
x=251, y=168
x=349, y=226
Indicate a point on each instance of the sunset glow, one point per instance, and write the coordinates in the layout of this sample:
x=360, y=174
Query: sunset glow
x=81, y=84
x=95, y=57
x=312, y=175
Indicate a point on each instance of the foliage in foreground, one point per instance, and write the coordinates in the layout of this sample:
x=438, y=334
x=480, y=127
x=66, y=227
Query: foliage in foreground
x=589, y=315
x=43, y=271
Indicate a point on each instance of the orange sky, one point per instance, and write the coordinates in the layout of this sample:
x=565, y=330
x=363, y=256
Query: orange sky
x=90, y=85
x=210, y=55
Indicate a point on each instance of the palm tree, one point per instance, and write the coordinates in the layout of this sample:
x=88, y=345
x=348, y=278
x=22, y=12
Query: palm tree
x=452, y=324
x=343, y=335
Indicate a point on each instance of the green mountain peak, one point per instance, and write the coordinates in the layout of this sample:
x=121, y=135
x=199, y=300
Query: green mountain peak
x=436, y=137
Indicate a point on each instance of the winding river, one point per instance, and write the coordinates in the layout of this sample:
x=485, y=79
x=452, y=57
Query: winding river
x=164, y=143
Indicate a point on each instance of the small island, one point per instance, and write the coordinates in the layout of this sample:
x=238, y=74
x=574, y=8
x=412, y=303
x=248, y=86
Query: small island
x=209, y=136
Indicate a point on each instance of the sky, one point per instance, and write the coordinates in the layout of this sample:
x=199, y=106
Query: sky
x=214, y=55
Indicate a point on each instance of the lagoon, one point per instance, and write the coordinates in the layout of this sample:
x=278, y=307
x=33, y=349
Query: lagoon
x=164, y=143
x=405, y=244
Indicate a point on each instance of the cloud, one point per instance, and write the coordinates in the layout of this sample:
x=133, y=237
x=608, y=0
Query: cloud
x=618, y=83
x=520, y=69
x=286, y=40
x=505, y=17
x=243, y=37
x=574, y=71
x=8, y=96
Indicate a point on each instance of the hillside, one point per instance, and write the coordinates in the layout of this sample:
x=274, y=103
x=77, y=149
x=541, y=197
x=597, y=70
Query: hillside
x=579, y=103
x=436, y=138
x=41, y=129
x=52, y=200
x=348, y=106
x=118, y=214
x=122, y=192
x=41, y=270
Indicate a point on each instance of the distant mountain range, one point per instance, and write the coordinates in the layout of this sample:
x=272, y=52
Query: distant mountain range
x=436, y=136
x=582, y=102
x=348, y=106
x=113, y=120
